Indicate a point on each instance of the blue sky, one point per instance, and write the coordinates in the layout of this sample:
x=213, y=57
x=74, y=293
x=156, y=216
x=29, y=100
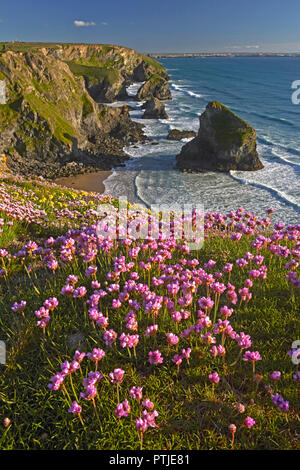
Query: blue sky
x=158, y=25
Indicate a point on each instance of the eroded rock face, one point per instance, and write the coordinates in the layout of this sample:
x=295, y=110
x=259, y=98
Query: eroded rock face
x=155, y=87
x=105, y=92
x=154, y=109
x=176, y=134
x=224, y=142
x=146, y=69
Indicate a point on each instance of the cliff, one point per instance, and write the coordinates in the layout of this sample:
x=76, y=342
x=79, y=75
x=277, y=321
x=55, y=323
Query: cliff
x=54, y=112
x=224, y=142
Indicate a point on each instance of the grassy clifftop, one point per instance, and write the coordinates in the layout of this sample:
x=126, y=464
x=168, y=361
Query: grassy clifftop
x=97, y=55
x=213, y=328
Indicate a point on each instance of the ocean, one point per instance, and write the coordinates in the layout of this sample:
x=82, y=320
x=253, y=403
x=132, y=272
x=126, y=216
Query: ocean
x=259, y=91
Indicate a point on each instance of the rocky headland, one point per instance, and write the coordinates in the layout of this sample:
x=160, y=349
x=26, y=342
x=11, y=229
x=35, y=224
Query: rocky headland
x=224, y=142
x=57, y=120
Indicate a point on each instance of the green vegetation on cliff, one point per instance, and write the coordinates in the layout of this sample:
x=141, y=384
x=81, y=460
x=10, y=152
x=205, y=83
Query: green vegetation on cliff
x=229, y=127
x=94, y=74
x=62, y=129
x=51, y=87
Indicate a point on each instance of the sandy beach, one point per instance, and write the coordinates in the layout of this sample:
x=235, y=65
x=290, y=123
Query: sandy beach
x=91, y=182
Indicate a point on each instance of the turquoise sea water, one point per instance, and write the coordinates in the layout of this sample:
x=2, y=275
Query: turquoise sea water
x=257, y=89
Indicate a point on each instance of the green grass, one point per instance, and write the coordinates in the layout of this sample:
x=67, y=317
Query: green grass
x=190, y=415
x=155, y=64
x=87, y=107
x=62, y=129
x=229, y=127
x=7, y=115
x=94, y=74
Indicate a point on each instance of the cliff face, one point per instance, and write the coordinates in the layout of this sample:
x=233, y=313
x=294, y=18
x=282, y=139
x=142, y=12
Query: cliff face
x=53, y=113
x=224, y=142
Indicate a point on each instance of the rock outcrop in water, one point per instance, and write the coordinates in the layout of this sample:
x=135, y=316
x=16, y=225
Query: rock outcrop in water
x=224, y=142
x=154, y=109
x=54, y=122
x=176, y=134
x=156, y=87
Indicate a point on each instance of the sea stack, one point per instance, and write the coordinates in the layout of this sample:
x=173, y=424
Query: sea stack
x=154, y=109
x=224, y=142
x=156, y=87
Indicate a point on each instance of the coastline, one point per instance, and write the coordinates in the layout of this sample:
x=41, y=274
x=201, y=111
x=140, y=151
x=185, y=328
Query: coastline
x=90, y=182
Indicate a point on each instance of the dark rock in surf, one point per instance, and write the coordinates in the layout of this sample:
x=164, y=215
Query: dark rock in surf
x=224, y=142
x=154, y=109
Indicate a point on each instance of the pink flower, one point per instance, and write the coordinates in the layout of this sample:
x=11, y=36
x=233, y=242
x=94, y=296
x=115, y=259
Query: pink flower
x=177, y=359
x=51, y=304
x=123, y=409
x=96, y=355
x=90, y=392
x=275, y=376
x=151, y=330
x=78, y=356
x=244, y=341
x=227, y=312
x=92, y=378
x=110, y=337
x=67, y=290
x=236, y=236
x=232, y=428
x=249, y=422
x=75, y=408
x=19, y=308
x=240, y=408
x=214, y=378
x=136, y=393
x=252, y=356
x=147, y=403
x=79, y=292
x=117, y=376
x=141, y=425
x=278, y=400
x=172, y=339
x=206, y=303
x=218, y=351
x=91, y=270
x=155, y=357
x=186, y=353
x=150, y=418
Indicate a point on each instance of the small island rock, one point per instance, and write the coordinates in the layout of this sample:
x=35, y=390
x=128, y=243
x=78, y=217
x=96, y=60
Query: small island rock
x=176, y=134
x=224, y=142
x=154, y=109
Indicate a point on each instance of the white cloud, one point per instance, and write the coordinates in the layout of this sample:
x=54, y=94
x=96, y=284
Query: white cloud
x=104, y=23
x=80, y=23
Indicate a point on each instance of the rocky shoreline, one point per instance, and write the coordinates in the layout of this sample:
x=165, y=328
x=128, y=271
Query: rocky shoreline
x=56, y=122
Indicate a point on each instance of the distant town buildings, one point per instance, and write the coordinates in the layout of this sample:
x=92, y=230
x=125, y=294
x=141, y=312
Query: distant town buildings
x=222, y=54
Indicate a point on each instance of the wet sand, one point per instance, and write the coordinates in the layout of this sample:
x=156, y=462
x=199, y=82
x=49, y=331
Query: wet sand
x=90, y=182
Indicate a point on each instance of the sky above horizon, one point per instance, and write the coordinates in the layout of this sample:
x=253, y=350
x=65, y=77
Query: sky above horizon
x=158, y=25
